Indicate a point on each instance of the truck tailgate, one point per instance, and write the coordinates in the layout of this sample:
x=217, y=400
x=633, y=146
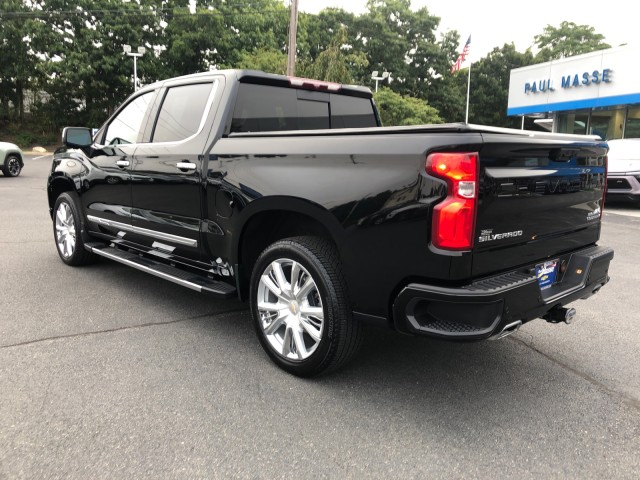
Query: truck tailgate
x=538, y=198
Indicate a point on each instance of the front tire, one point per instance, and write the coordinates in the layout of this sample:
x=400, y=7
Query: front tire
x=68, y=231
x=12, y=166
x=300, y=307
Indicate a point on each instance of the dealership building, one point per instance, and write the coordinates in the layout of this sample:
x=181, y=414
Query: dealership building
x=596, y=93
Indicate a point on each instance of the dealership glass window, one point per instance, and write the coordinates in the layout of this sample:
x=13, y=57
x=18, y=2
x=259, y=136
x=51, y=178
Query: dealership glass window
x=632, y=125
x=600, y=124
x=575, y=122
x=607, y=124
x=618, y=123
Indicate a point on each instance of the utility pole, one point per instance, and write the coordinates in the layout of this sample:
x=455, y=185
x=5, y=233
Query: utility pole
x=293, y=33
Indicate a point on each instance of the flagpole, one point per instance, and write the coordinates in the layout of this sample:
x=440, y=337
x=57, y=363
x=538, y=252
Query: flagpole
x=458, y=65
x=466, y=118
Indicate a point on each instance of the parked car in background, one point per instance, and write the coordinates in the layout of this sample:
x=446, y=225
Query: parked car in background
x=11, y=157
x=624, y=168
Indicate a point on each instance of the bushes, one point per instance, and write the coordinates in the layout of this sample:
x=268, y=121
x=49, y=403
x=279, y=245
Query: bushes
x=27, y=136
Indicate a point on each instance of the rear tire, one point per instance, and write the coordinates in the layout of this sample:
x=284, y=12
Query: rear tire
x=69, y=231
x=12, y=166
x=300, y=307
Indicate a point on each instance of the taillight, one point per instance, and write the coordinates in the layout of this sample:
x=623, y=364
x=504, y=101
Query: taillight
x=454, y=219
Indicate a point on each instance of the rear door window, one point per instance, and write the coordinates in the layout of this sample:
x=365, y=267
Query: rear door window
x=181, y=113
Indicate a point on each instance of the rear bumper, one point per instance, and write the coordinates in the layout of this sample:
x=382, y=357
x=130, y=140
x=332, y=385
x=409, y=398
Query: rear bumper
x=483, y=308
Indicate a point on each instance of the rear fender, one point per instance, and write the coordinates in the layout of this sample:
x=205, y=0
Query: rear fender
x=283, y=204
x=267, y=220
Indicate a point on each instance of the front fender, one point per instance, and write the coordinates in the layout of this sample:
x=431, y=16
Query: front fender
x=69, y=171
x=7, y=149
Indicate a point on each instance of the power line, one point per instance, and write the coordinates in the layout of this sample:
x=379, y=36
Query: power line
x=85, y=13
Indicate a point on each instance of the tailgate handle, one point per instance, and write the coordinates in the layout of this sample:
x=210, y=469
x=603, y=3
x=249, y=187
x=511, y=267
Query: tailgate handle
x=563, y=154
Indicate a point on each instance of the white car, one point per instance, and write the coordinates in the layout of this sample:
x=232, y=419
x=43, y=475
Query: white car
x=624, y=168
x=11, y=161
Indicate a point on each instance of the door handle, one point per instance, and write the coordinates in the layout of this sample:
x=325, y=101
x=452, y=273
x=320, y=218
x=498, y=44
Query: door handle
x=122, y=163
x=186, y=166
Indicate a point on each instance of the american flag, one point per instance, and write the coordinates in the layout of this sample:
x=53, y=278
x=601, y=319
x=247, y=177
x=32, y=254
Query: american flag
x=465, y=51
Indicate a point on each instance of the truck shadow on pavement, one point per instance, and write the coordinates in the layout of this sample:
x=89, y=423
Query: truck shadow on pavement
x=480, y=388
x=501, y=373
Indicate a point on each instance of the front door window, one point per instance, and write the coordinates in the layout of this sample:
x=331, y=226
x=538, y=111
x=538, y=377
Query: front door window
x=127, y=126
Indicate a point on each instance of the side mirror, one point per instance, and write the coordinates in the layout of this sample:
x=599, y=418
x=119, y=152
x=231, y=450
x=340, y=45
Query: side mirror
x=77, y=137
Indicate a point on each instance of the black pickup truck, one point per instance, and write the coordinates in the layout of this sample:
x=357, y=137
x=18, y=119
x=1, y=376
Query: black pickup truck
x=288, y=192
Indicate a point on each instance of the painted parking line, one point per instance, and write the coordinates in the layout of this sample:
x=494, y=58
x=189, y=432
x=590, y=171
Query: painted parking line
x=620, y=211
x=41, y=156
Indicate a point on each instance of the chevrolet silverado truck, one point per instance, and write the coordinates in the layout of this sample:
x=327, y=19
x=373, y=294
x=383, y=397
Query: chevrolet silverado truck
x=289, y=193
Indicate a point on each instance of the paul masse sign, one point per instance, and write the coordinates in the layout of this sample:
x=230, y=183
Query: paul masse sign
x=598, y=79
x=568, y=81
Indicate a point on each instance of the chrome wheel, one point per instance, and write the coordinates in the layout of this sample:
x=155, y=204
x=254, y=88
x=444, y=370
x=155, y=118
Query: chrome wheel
x=65, y=230
x=290, y=309
x=300, y=306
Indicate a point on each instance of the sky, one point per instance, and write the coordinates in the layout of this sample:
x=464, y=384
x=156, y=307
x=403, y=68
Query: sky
x=492, y=23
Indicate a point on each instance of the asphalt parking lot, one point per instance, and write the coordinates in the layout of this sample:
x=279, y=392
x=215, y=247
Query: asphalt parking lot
x=106, y=372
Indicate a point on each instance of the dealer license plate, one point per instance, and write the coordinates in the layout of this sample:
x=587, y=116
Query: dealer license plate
x=547, y=273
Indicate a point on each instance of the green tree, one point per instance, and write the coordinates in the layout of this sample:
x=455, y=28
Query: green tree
x=567, y=40
x=73, y=50
x=336, y=62
x=490, y=86
x=317, y=32
x=396, y=109
x=251, y=26
x=267, y=60
x=87, y=74
x=221, y=34
x=399, y=40
x=403, y=42
x=193, y=42
x=17, y=59
x=445, y=91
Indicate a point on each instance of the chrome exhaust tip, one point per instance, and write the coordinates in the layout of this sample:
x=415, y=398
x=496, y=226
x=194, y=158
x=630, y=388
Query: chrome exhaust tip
x=507, y=330
x=568, y=317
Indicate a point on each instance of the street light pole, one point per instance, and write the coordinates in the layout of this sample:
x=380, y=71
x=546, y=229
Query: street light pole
x=385, y=75
x=141, y=51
